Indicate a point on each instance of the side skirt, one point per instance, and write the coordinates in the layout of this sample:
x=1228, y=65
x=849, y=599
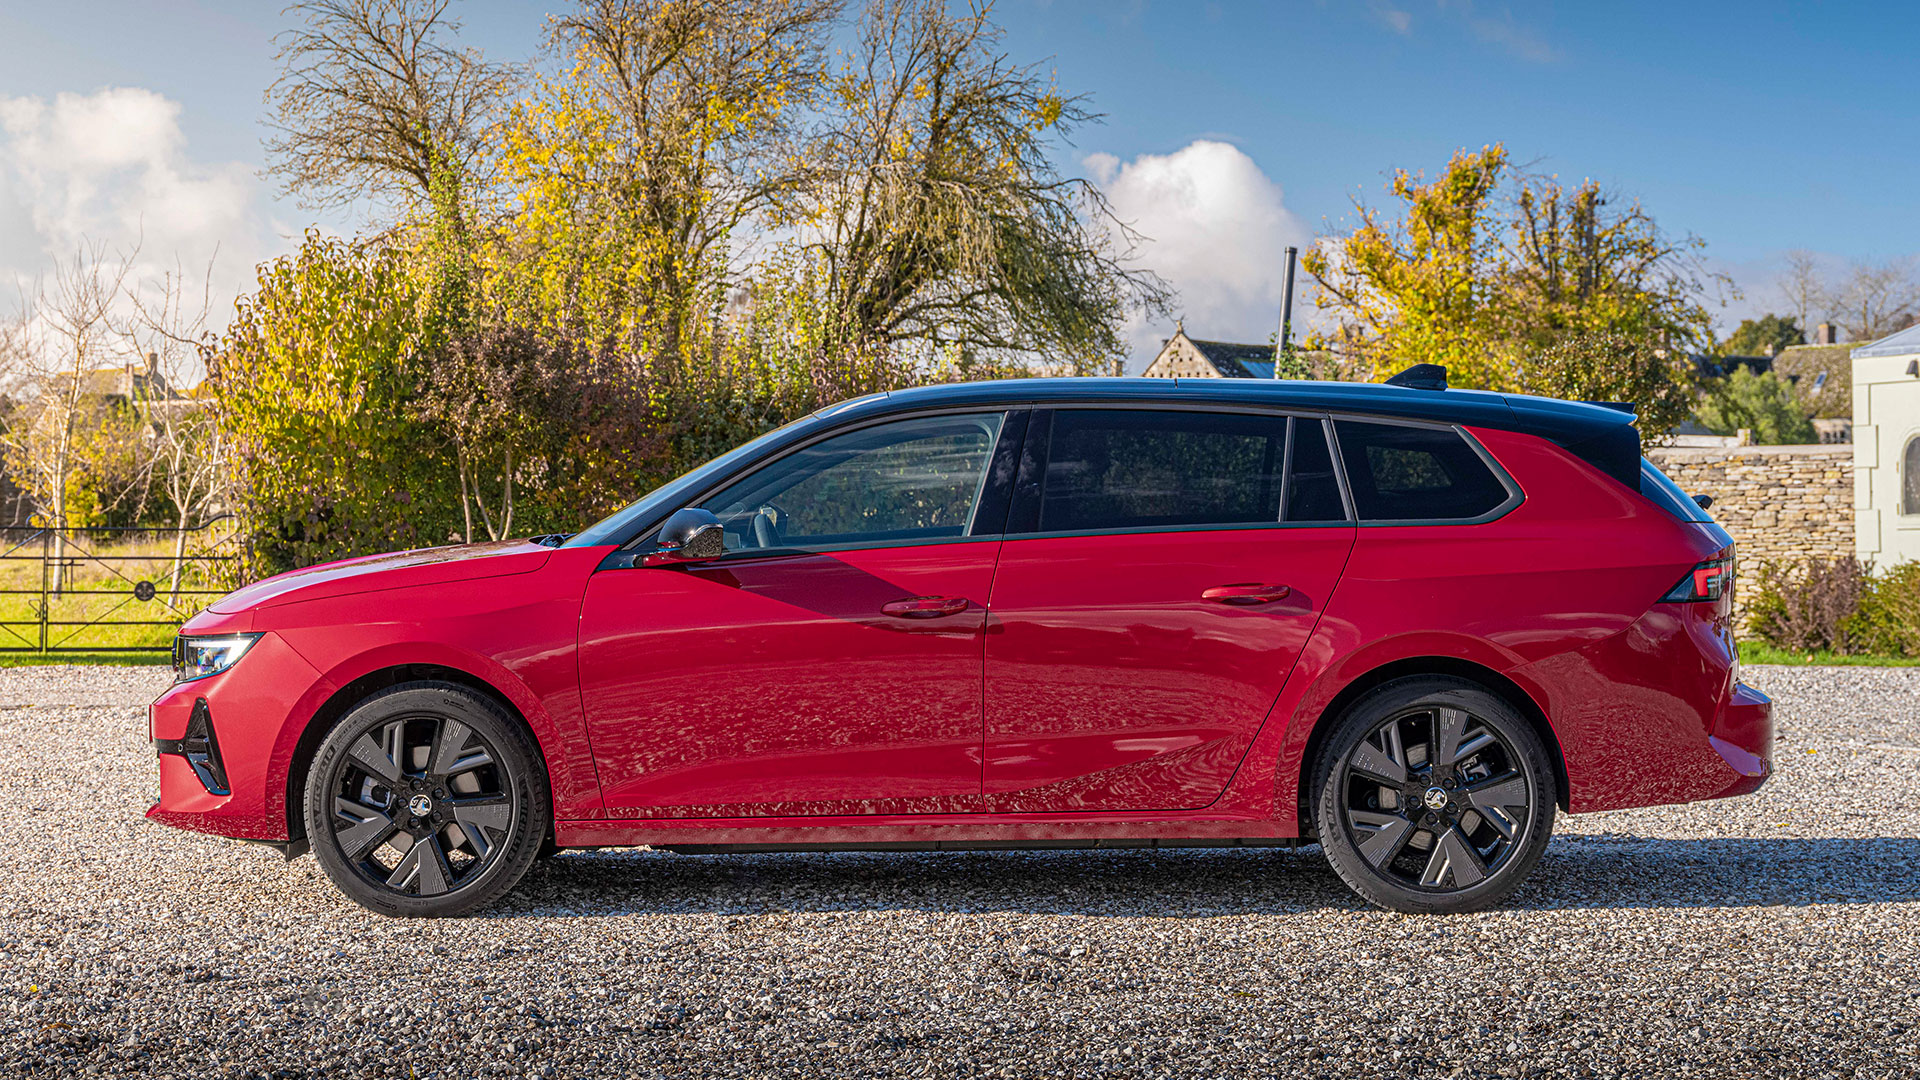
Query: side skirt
x=975, y=845
x=906, y=834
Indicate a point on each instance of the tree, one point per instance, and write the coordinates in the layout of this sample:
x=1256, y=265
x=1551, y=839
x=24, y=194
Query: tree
x=632, y=171
x=1486, y=272
x=1579, y=262
x=1418, y=289
x=1803, y=286
x=372, y=100
x=1605, y=365
x=1865, y=300
x=931, y=211
x=1766, y=336
x=549, y=423
x=1874, y=300
x=1761, y=404
x=69, y=444
x=190, y=446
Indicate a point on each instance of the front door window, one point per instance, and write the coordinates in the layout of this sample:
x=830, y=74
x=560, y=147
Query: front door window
x=910, y=481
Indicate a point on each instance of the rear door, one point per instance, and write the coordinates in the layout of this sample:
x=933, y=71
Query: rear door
x=1162, y=570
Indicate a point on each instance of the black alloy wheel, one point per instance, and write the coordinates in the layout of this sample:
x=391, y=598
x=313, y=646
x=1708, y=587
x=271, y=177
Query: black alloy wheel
x=426, y=800
x=1434, y=796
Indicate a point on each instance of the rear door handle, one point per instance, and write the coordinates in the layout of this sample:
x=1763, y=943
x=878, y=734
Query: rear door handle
x=925, y=607
x=1246, y=594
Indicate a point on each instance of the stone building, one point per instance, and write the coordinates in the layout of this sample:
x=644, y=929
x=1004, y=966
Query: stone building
x=1886, y=448
x=1187, y=358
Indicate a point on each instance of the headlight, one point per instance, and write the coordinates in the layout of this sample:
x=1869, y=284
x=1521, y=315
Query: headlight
x=199, y=657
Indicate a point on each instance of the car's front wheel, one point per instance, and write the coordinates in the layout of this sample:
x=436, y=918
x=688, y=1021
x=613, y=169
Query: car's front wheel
x=427, y=799
x=1434, y=795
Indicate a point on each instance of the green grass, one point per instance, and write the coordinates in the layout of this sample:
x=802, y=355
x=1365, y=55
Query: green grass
x=1757, y=652
x=115, y=659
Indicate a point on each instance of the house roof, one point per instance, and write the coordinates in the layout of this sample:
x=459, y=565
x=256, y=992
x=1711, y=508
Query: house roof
x=1236, y=360
x=1900, y=344
x=1716, y=366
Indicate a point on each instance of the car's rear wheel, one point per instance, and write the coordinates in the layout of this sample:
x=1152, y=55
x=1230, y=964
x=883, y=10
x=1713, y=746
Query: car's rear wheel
x=1434, y=795
x=427, y=799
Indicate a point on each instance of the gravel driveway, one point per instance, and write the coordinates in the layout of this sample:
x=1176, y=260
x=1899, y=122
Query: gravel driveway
x=1768, y=936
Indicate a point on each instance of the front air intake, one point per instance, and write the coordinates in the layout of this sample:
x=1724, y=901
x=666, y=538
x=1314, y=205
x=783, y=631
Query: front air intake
x=200, y=748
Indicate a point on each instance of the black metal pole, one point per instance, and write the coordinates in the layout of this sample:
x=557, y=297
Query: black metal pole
x=1286, y=313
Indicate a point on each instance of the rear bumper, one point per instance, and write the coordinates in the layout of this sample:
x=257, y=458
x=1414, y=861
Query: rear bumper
x=1743, y=737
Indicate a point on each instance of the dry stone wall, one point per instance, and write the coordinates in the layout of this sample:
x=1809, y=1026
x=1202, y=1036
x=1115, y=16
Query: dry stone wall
x=1777, y=502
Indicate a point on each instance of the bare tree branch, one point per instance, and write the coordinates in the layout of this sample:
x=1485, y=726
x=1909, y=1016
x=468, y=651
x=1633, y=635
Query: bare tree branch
x=373, y=96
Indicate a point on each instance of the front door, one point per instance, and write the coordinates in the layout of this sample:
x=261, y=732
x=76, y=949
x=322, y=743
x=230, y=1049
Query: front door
x=830, y=662
x=1151, y=600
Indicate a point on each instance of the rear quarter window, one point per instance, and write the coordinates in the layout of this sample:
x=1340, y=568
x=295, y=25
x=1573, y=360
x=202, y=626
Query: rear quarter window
x=1667, y=495
x=1401, y=472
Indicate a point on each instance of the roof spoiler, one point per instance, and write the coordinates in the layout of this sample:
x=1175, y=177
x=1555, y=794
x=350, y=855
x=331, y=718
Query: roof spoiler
x=1627, y=407
x=1422, y=377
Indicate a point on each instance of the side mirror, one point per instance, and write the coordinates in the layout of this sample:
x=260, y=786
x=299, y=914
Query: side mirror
x=1704, y=502
x=690, y=535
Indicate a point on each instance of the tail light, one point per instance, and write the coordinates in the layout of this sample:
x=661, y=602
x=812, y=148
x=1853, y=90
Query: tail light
x=1709, y=580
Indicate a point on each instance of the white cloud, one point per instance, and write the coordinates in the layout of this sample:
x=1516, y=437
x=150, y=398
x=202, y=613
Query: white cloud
x=1504, y=32
x=1216, y=228
x=112, y=167
x=1398, y=20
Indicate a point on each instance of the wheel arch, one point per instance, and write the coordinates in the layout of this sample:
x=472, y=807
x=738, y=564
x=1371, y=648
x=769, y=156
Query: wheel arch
x=1492, y=681
x=357, y=690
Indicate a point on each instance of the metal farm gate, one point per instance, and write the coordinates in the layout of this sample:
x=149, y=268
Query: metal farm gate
x=98, y=590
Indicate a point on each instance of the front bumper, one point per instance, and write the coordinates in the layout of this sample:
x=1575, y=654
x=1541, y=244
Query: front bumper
x=234, y=727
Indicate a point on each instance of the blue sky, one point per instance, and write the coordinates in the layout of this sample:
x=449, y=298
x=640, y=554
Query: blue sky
x=1231, y=128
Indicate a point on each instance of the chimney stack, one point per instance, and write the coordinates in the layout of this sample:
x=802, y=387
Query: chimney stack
x=1824, y=334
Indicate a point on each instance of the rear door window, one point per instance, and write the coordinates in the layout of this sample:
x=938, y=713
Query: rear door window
x=1402, y=472
x=1159, y=469
x=1313, y=489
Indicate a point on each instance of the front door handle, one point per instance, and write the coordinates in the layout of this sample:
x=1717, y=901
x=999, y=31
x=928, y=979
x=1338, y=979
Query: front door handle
x=925, y=607
x=1246, y=594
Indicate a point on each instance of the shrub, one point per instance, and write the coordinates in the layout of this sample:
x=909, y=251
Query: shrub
x=1809, y=605
x=1887, y=622
x=1840, y=606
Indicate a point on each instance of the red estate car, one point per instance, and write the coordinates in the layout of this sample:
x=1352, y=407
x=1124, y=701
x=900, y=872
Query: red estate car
x=1404, y=621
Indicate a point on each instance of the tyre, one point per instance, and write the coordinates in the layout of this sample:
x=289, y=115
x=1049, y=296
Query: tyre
x=427, y=800
x=1433, y=795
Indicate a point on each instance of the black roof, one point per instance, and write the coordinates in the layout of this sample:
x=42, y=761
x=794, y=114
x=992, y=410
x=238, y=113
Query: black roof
x=1603, y=435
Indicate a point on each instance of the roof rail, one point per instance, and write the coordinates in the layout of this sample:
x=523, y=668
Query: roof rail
x=1422, y=377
